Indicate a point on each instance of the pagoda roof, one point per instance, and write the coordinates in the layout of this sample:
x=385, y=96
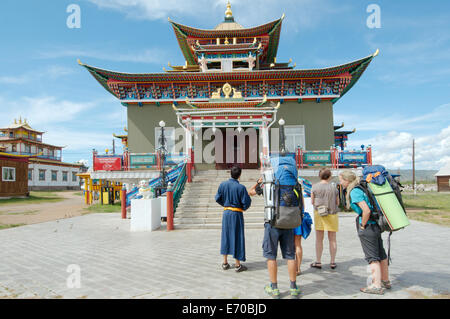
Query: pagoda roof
x=353, y=70
x=183, y=33
x=338, y=133
x=23, y=125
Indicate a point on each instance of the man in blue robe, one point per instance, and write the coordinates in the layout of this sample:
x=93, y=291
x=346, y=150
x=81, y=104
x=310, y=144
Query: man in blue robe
x=235, y=200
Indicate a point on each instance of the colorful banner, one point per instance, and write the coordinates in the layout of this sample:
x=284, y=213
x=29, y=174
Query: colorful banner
x=108, y=163
x=317, y=158
x=142, y=160
x=353, y=158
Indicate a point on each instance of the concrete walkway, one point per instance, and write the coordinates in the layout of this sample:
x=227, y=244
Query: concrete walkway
x=115, y=263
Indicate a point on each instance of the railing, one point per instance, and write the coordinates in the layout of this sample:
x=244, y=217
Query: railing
x=334, y=158
x=53, y=158
x=135, y=161
x=178, y=187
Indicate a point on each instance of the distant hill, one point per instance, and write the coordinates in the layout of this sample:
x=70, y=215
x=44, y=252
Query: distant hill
x=421, y=175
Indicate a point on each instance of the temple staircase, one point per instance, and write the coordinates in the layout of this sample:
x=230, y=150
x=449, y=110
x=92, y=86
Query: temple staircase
x=198, y=209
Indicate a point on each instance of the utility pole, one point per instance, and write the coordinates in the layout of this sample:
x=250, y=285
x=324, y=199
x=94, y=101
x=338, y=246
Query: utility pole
x=414, y=167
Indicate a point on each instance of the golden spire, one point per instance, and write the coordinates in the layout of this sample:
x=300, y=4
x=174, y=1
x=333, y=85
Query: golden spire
x=228, y=13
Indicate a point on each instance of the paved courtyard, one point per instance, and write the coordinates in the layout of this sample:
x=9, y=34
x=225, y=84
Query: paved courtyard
x=115, y=263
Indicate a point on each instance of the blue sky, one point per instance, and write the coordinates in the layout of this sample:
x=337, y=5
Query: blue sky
x=404, y=94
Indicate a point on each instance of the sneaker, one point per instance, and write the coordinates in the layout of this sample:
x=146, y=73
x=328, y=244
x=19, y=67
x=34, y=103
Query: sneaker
x=295, y=293
x=226, y=266
x=240, y=268
x=275, y=293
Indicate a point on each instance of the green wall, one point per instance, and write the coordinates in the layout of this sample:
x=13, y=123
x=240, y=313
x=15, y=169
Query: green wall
x=316, y=117
x=142, y=122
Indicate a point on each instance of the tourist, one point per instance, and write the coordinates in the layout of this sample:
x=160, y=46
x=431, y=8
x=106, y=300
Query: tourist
x=325, y=199
x=369, y=234
x=286, y=174
x=235, y=200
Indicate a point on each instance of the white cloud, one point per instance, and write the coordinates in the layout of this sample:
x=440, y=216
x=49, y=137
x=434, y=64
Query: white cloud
x=52, y=72
x=301, y=13
x=394, y=149
x=154, y=55
x=433, y=119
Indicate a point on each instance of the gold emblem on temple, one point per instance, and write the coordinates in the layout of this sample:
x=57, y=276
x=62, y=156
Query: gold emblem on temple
x=228, y=91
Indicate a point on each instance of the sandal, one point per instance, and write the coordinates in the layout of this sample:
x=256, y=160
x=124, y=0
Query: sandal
x=299, y=273
x=316, y=265
x=226, y=266
x=386, y=284
x=372, y=290
x=333, y=265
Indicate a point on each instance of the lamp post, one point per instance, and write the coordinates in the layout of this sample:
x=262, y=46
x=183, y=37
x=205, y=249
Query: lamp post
x=162, y=155
x=283, y=151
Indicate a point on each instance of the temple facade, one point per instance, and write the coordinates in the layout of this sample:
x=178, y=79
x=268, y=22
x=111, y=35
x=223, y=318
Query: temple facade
x=231, y=81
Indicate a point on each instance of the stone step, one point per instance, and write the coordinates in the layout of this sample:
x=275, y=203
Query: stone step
x=210, y=220
x=215, y=226
x=218, y=214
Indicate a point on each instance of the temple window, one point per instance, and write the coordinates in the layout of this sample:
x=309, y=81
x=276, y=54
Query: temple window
x=169, y=134
x=214, y=65
x=64, y=176
x=42, y=175
x=8, y=174
x=74, y=176
x=295, y=136
x=54, y=176
x=240, y=65
x=30, y=174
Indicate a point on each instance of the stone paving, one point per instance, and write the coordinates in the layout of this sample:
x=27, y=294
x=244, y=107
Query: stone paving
x=115, y=263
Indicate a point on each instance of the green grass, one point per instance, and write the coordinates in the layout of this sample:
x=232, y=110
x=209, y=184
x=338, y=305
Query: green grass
x=6, y=226
x=34, y=198
x=430, y=207
x=99, y=208
x=427, y=200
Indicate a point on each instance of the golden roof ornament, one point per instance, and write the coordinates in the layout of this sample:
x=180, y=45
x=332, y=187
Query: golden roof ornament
x=228, y=12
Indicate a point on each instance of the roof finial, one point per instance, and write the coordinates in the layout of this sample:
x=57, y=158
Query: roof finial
x=228, y=13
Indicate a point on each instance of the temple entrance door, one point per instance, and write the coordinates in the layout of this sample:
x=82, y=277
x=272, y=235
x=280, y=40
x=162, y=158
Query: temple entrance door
x=244, y=154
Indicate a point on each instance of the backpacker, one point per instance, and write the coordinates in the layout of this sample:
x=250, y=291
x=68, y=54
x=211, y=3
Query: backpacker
x=384, y=194
x=288, y=195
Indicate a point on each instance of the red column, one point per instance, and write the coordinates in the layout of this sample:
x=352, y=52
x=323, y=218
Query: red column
x=169, y=209
x=124, y=203
x=369, y=156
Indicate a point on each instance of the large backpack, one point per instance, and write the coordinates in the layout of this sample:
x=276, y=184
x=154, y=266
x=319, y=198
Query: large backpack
x=288, y=195
x=376, y=177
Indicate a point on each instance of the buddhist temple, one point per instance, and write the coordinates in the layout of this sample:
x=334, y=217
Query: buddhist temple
x=46, y=170
x=231, y=79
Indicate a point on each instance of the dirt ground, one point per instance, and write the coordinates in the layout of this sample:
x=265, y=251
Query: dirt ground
x=71, y=206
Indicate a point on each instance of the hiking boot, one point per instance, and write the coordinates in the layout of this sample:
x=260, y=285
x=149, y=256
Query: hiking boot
x=226, y=266
x=295, y=293
x=275, y=293
x=240, y=268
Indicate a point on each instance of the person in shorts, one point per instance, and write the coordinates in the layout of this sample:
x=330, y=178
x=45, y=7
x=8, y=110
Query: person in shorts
x=369, y=234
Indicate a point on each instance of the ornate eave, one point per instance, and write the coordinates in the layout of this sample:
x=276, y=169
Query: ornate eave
x=345, y=75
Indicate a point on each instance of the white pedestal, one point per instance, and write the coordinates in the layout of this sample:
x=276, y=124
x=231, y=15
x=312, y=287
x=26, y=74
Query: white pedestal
x=145, y=214
x=163, y=203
